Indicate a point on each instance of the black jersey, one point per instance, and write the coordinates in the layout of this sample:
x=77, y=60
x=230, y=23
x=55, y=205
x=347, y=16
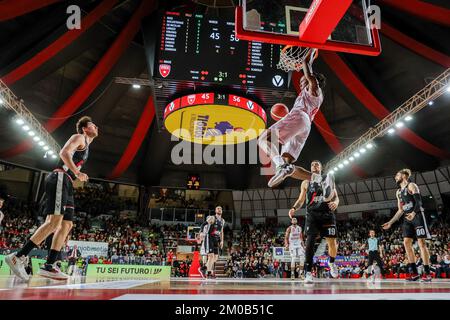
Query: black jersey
x=407, y=200
x=217, y=228
x=315, y=197
x=79, y=158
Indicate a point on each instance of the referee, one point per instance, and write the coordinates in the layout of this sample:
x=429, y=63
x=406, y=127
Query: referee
x=374, y=250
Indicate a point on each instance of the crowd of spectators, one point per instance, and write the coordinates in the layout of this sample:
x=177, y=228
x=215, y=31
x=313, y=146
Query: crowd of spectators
x=249, y=250
x=95, y=199
x=177, y=198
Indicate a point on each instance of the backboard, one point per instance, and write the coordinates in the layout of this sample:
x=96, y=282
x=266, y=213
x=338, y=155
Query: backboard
x=336, y=25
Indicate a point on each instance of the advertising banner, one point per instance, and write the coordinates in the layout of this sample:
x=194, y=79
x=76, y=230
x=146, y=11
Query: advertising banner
x=352, y=260
x=4, y=268
x=126, y=272
x=90, y=248
x=283, y=255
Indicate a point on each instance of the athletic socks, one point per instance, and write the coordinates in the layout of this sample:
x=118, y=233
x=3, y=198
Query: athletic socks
x=412, y=268
x=426, y=268
x=26, y=249
x=52, y=256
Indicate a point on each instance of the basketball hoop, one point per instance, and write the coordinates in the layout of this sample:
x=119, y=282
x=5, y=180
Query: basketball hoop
x=293, y=57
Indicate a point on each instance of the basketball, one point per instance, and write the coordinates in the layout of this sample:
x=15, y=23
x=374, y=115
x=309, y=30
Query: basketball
x=278, y=111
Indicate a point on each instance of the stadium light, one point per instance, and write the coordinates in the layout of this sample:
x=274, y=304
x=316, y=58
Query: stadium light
x=20, y=121
x=431, y=103
x=351, y=158
x=346, y=162
x=336, y=169
x=448, y=89
x=1, y=101
x=408, y=118
x=369, y=146
x=340, y=165
x=399, y=124
x=45, y=148
x=31, y=133
x=331, y=172
x=41, y=143
x=362, y=150
x=136, y=86
x=391, y=131
x=36, y=139
x=54, y=156
x=50, y=152
x=26, y=128
x=356, y=154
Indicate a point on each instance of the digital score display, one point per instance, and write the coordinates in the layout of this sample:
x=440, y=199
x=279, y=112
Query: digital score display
x=197, y=48
x=214, y=118
x=193, y=182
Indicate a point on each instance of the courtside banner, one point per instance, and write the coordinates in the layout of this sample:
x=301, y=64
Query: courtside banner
x=125, y=272
x=281, y=254
x=90, y=248
x=4, y=268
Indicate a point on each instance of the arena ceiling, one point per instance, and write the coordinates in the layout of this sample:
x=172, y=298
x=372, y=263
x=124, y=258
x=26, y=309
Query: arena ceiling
x=415, y=50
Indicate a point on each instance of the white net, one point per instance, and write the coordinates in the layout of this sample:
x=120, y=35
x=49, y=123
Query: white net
x=292, y=58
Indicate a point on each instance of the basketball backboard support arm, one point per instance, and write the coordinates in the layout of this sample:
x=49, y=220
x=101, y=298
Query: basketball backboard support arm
x=321, y=19
x=284, y=39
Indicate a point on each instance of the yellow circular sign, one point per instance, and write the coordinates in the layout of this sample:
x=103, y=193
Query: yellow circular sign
x=236, y=121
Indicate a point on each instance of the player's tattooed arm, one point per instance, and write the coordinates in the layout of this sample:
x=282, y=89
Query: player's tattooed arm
x=397, y=215
x=301, y=199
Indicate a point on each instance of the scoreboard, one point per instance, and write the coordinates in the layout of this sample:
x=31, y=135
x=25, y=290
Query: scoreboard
x=193, y=182
x=194, y=47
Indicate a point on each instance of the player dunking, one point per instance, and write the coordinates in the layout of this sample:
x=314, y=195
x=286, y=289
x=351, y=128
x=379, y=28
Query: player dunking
x=293, y=240
x=321, y=202
x=293, y=130
x=414, y=224
x=59, y=203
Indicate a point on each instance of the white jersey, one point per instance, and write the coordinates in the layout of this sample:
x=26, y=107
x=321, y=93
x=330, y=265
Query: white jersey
x=294, y=236
x=308, y=103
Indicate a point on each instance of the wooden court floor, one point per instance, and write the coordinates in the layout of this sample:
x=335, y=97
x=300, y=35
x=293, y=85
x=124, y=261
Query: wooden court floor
x=81, y=288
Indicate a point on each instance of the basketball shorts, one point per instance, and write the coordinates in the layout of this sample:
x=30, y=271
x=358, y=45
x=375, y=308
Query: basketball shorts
x=297, y=252
x=209, y=245
x=214, y=245
x=321, y=222
x=59, y=195
x=416, y=228
x=293, y=131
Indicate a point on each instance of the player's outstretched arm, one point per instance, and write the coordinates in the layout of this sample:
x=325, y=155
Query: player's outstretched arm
x=313, y=87
x=301, y=199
